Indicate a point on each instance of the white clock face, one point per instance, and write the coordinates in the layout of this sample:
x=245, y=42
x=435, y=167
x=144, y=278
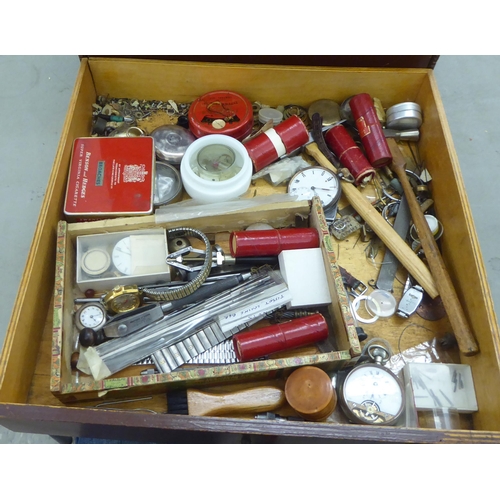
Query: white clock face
x=374, y=389
x=92, y=316
x=122, y=256
x=315, y=181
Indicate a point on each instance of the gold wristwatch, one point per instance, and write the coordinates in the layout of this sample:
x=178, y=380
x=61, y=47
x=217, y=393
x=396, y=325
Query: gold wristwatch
x=122, y=298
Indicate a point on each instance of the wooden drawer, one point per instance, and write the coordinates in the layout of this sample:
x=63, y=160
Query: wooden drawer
x=26, y=401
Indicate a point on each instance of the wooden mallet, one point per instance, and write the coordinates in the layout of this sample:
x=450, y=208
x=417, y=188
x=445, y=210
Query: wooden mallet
x=451, y=303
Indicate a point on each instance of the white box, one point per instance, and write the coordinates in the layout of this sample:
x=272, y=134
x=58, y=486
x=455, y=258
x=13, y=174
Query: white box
x=123, y=258
x=304, y=272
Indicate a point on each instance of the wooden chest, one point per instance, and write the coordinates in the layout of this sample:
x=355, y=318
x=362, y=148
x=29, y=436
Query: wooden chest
x=28, y=401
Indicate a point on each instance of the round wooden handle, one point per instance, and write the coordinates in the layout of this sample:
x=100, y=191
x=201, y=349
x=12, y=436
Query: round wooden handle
x=309, y=391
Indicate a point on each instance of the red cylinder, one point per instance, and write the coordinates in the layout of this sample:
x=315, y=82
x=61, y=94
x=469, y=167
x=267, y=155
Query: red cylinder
x=282, y=139
x=350, y=156
x=270, y=339
x=271, y=241
x=370, y=130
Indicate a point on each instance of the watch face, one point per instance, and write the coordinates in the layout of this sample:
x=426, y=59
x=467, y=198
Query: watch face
x=125, y=302
x=91, y=316
x=95, y=261
x=122, y=256
x=373, y=395
x=316, y=181
x=216, y=162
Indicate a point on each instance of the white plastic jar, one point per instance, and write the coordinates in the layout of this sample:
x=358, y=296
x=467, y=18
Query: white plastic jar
x=216, y=168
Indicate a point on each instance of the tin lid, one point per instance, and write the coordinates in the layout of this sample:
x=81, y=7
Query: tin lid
x=168, y=184
x=406, y=115
x=328, y=109
x=221, y=112
x=267, y=114
x=171, y=142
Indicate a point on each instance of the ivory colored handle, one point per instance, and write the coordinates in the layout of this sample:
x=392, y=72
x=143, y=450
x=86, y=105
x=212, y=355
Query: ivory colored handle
x=256, y=400
x=382, y=229
x=456, y=315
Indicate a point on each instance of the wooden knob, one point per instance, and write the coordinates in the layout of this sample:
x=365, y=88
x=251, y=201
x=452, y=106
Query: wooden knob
x=74, y=360
x=310, y=393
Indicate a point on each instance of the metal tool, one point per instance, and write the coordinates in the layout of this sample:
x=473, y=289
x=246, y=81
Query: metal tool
x=390, y=264
x=466, y=342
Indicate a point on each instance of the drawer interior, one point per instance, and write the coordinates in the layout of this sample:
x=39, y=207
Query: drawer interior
x=25, y=362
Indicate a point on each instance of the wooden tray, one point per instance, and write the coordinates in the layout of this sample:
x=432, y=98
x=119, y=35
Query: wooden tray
x=26, y=401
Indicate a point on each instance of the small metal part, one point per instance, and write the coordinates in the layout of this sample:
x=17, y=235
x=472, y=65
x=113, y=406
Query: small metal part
x=343, y=227
x=410, y=301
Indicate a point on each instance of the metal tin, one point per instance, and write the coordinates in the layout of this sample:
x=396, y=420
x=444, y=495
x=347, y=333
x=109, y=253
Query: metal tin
x=168, y=184
x=221, y=112
x=171, y=142
x=328, y=109
x=404, y=116
x=110, y=177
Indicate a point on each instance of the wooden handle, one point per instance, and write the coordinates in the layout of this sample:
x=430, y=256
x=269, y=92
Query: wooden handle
x=456, y=315
x=382, y=229
x=257, y=400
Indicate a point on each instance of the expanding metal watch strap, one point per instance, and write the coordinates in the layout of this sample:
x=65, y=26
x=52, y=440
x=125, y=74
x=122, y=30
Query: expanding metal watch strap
x=193, y=285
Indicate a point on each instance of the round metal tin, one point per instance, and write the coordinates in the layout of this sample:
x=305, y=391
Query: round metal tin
x=328, y=109
x=171, y=142
x=168, y=184
x=221, y=112
x=404, y=116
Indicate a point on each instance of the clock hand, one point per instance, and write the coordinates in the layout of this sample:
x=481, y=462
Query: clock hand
x=323, y=189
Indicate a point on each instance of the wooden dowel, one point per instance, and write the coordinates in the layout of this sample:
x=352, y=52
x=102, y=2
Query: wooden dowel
x=451, y=303
x=382, y=229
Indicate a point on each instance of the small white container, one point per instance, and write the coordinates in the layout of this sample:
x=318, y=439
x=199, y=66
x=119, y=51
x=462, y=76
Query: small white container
x=216, y=168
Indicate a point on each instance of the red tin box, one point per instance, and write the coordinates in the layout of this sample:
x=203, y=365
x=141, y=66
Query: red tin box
x=110, y=177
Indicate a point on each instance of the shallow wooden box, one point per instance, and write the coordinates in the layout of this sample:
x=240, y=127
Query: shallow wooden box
x=26, y=401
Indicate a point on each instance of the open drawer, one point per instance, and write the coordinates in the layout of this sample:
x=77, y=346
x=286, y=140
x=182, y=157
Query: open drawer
x=26, y=401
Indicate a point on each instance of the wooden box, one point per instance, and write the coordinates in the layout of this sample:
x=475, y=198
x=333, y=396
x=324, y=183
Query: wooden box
x=26, y=401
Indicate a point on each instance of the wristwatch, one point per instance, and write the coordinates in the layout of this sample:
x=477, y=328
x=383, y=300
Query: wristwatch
x=122, y=298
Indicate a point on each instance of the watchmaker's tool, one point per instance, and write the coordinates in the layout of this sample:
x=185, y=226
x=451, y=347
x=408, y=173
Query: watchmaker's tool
x=203, y=404
x=456, y=315
x=309, y=391
x=370, y=393
x=390, y=264
x=383, y=230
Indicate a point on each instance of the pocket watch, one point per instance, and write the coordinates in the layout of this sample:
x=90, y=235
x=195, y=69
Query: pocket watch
x=92, y=315
x=316, y=181
x=371, y=393
x=122, y=298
